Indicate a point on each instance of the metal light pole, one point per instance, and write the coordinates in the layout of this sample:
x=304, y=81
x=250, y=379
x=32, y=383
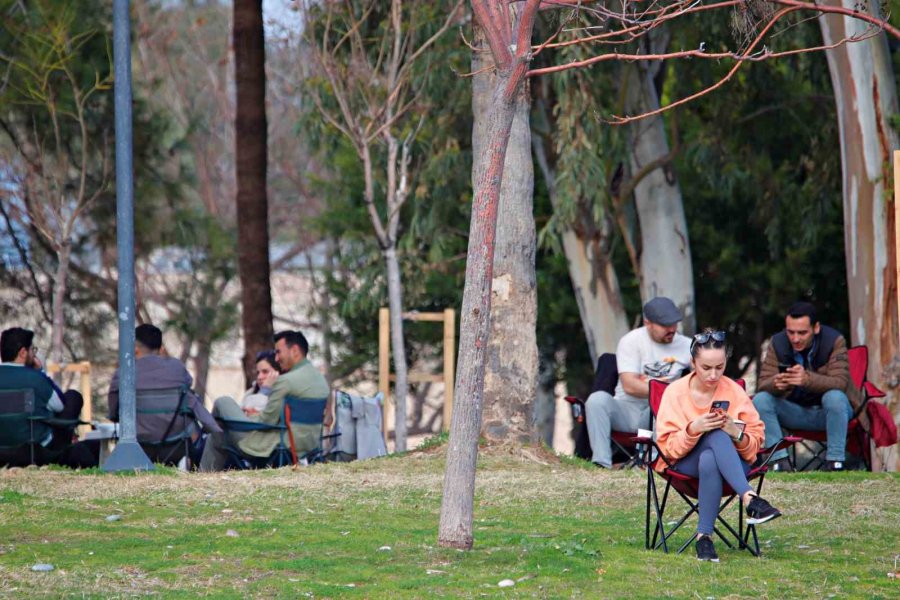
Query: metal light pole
x=128, y=455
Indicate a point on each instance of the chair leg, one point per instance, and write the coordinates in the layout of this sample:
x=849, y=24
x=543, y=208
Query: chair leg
x=661, y=528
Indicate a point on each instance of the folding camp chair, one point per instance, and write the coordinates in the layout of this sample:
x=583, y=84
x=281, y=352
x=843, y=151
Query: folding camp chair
x=25, y=423
x=688, y=487
x=307, y=411
x=167, y=409
x=814, y=442
x=606, y=376
x=297, y=412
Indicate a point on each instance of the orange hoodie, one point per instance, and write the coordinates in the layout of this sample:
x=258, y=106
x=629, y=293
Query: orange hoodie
x=678, y=409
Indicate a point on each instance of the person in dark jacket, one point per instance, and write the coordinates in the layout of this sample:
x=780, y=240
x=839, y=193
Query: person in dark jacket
x=804, y=383
x=21, y=369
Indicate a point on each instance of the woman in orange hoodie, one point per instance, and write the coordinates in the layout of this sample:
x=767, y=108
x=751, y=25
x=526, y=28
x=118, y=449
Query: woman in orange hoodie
x=709, y=443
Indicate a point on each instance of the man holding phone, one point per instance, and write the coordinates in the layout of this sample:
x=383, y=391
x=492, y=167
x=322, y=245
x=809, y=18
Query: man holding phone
x=804, y=383
x=654, y=351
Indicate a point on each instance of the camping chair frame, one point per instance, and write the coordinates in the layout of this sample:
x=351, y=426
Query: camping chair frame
x=687, y=488
x=814, y=442
x=305, y=411
x=153, y=402
x=605, y=379
x=22, y=402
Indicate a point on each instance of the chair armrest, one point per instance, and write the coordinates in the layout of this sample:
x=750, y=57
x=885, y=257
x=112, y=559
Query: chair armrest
x=647, y=460
x=242, y=426
x=54, y=422
x=766, y=454
x=872, y=391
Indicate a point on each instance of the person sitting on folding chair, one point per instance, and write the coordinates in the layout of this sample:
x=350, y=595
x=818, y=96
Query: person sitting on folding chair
x=21, y=369
x=710, y=443
x=804, y=383
x=267, y=371
x=155, y=370
x=656, y=351
x=299, y=379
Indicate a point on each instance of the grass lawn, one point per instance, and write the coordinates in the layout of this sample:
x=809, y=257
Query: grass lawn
x=369, y=530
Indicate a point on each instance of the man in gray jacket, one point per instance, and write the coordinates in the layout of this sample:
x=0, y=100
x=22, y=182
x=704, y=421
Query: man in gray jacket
x=156, y=371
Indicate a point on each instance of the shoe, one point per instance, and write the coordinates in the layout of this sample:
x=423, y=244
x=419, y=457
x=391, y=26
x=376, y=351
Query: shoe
x=782, y=465
x=760, y=511
x=705, y=549
x=834, y=465
x=598, y=465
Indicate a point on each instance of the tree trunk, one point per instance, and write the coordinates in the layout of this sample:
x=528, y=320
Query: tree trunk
x=512, y=363
x=63, y=256
x=595, y=284
x=475, y=320
x=866, y=95
x=398, y=347
x=665, y=259
x=250, y=160
x=201, y=367
x=545, y=401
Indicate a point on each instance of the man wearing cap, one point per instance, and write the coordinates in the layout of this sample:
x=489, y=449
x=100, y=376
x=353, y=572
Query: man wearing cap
x=653, y=351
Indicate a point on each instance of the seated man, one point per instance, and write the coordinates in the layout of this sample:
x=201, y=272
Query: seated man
x=654, y=351
x=299, y=379
x=21, y=370
x=153, y=370
x=804, y=383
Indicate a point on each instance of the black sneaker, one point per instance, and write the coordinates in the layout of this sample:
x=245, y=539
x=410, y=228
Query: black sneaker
x=705, y=549
x=760, y=511
x=834, y=465
x=782, y=465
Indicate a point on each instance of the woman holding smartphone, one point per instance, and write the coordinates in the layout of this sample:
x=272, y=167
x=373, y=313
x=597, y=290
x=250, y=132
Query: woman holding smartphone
x=714, y=444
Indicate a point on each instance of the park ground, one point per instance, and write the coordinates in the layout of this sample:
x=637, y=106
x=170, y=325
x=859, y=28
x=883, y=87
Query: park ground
x=554, y=527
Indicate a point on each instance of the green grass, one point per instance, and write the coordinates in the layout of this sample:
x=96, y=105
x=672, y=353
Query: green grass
x=558, y=529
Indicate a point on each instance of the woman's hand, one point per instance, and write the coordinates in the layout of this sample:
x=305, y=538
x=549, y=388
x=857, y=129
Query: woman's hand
x=708, y=422
x=731, y=428
x=269, y=379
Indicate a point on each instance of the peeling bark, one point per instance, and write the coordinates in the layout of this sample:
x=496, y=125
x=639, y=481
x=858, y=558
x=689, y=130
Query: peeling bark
x=866, y=97
x=665, y=259
x=510, y=382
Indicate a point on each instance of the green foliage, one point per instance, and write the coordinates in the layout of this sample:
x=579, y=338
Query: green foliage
x=56, y=123
x=434, y=221
x=761, y=179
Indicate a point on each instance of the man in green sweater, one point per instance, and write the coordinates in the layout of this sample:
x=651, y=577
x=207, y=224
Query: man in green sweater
x=300, y=380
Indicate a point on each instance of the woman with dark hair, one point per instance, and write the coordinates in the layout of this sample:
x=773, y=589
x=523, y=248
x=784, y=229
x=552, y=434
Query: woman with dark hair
x=267, y=371
x=716, y=444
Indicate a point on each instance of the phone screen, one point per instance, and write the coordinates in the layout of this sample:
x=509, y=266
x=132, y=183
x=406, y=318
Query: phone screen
x=719, y=405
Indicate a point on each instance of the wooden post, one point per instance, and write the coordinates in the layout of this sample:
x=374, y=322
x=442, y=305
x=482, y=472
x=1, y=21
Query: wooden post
x=84, y=379
x=384, y=367
x=87, y=412
x=449, y=348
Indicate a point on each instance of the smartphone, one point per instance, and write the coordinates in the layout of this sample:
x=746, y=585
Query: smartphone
x=783, y=367
x=719, y=405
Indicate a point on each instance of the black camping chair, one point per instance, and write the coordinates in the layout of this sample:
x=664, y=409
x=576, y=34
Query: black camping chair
x=25, y=422
x=167, y=409
x=606, y=377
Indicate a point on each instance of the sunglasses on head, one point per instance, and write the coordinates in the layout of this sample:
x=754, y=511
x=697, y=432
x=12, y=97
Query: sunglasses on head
x=708, y=336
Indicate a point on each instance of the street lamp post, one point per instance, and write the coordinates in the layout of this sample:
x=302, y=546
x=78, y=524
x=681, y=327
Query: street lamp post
x=128, y=454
